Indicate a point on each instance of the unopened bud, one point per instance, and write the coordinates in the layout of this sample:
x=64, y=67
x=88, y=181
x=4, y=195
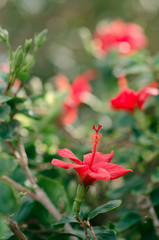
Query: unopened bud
x=27, y=45
x=18, y=57
x=3, y=34
x=40, y=38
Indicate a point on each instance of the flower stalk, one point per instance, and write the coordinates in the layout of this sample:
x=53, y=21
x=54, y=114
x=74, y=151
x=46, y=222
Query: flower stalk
x=79, y=199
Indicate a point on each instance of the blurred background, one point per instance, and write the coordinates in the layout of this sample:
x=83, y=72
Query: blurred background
x=64, y=51
x=69, y=22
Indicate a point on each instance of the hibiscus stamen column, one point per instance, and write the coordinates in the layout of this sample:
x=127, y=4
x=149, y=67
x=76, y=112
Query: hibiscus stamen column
x=122, y=82
x=84, y=185
x=95, y=141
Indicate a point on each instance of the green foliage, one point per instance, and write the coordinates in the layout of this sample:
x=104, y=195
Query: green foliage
x=8, y=199
x=23, y=210
x=66, y=219
x=4, y=229
x=57, y=195
x=7, y=165
x=104, y=208
x=9, y=130
x=129, y=221
x=4, y=80
x=64, y=236
x=107, y=234
x=4, y=112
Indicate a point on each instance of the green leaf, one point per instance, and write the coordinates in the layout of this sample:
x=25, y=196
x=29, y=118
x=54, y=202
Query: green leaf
x=104, y=208
x=62, y=236
x=9, y=130
x=8, y=199
x=134, y=183
x=66, y=219
x=18, y=175
x=136, y=69
x=5, y=98
x=130, y=220
x=4, y=229
x=155, y=176
x=23, y=76
x=107, y=234
x=30, y=114
x=7, y=165
x=57, y=195
x=24, y=209
x=154, y=197
x=4, y=111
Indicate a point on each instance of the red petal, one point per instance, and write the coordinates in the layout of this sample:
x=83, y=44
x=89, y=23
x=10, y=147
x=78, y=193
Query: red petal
x=65, y=152
x=101, y=174
x=115, y=170
x=99, y=157
x=62, y=82
x=70, y=114
x=80, y=169
x=125, y=100
x=145, y=93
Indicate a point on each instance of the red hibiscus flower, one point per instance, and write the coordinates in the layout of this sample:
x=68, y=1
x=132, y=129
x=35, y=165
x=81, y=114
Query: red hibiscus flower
x=128, y=99
x=95, y=166
x=78, y=93
x=126, y=38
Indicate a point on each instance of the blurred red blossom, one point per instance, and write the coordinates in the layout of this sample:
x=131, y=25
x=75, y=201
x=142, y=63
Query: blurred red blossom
x=78, y=93
x=95, y=166
x=126, y=38
x=17, y=84
x=128, y=99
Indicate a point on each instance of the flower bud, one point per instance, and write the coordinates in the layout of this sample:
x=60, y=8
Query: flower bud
x=40, y=38
x=18, y=57
x=3, y=34
x=27, y=45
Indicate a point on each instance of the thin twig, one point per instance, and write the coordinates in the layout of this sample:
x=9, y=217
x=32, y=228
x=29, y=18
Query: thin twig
x=38, y=194
x=19, y=187
x=146, y=204
x=16, y=230
x=153, y=216
x=83, y=224
x=91, y=229
x=13, y=150
x=24, y=164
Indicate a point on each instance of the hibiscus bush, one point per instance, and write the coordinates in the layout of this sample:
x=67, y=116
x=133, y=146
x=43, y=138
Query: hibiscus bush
x=78, y=126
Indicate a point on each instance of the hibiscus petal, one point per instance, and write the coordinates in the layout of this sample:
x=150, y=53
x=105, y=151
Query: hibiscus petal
x=62, y=82
x=99, y=157
x=115, y=170
x=70, y=114
x=125, y=100
x=101, y=174
x=80, y=169
x=144, y=93
x=65, y=152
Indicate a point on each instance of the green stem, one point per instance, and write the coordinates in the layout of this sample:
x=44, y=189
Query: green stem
x=10, y=84
x=9, y=52
x=80, y=197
